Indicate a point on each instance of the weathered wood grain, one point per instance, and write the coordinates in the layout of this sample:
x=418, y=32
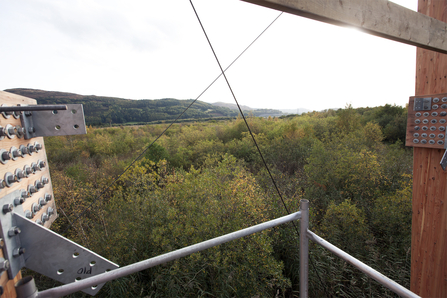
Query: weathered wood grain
x=429, y=228
x=11, y=166
x=379, y=17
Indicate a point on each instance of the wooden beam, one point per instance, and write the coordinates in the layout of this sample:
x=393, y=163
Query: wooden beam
x=429, y=226
x=377, y=17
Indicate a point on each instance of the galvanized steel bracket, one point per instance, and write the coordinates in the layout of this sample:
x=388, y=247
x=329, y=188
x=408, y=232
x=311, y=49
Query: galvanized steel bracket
x=54, y=256
x=54, y=123
x=28, y=244
x=10, y=235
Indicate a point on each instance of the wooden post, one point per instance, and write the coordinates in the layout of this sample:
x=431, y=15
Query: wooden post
x=429, y=227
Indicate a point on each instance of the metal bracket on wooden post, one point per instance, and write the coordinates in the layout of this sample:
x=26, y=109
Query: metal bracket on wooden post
x=54, y=122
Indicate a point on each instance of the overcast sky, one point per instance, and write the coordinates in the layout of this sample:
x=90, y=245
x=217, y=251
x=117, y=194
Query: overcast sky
x=146, y=49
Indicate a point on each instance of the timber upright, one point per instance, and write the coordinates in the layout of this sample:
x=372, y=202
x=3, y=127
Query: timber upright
x=429, y=226
x=426, y=29
x=27, y=203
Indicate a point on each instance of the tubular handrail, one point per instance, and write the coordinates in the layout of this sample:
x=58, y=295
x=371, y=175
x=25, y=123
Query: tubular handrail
x=164, y=258
x=309, y=235
x=305, y=236
x=379, y=277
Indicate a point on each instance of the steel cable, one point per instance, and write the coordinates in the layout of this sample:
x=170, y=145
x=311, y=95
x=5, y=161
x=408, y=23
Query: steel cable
x=164, y=131
x=251, y=133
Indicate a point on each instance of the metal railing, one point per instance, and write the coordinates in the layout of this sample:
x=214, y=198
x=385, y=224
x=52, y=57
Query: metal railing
x=27, y=287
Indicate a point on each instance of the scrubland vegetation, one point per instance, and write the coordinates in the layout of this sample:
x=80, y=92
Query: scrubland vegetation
x=204, y=179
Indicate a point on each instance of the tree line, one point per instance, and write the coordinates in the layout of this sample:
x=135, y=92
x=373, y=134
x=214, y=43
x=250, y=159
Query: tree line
x=108, y=111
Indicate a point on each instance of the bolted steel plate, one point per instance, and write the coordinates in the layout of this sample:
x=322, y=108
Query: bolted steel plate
x=11, y=243
x=60, y=122
x=57, y=257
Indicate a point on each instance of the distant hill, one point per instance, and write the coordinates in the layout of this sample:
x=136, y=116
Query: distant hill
x=276, y=112
x=100, y=110
x=251, y=111
x=232, y=106
x=298, y=111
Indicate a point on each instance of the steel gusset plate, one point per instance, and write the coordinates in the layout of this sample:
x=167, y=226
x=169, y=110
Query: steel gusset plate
x=57, y=257
x=58, y=122
x=11, y=243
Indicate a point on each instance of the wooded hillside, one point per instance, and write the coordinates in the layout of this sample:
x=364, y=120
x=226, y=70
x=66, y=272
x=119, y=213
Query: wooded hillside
x=100, y=110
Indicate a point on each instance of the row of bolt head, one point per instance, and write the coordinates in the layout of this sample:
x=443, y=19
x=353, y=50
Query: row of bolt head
x=14, y=153
x=18, y=176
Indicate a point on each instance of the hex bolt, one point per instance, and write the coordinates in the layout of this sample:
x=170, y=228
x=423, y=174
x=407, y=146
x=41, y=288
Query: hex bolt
x=2, y=183
x=9, y=131
x=41, y=164
x=35, y=167
x=14, y=231
x=31, y=149
x=44, y=218
x=39, y=222
x=15, y=153
x=28, y=170
x=39, y=184
x=24, y=194
x=50, y=211
x=4, y=156
x=20, y=131
x=20, y=174
x=7, y=208
x=32, y=189
x=17, y=114
x=28, y=113
x=23, y=149
x=35, y=208
x=4, y=264
x=28, y=214
x=45, y=180
x=18, y=251
x=19, y=201
x=6, y=114
x=38, y=146
x=42, y=202
x=10, y=179
x=48, y=197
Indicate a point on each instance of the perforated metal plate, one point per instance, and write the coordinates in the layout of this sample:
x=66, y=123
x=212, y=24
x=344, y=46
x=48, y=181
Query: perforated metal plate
x=55, y=123
x=11, y=243
x=59, y=258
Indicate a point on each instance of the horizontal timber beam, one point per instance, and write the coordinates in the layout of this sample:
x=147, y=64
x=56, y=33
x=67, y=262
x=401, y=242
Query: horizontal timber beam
x=377, y=17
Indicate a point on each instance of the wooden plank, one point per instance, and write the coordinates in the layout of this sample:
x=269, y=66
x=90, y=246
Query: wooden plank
x=11, y=166
x=378, y=17
x=429, y=227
